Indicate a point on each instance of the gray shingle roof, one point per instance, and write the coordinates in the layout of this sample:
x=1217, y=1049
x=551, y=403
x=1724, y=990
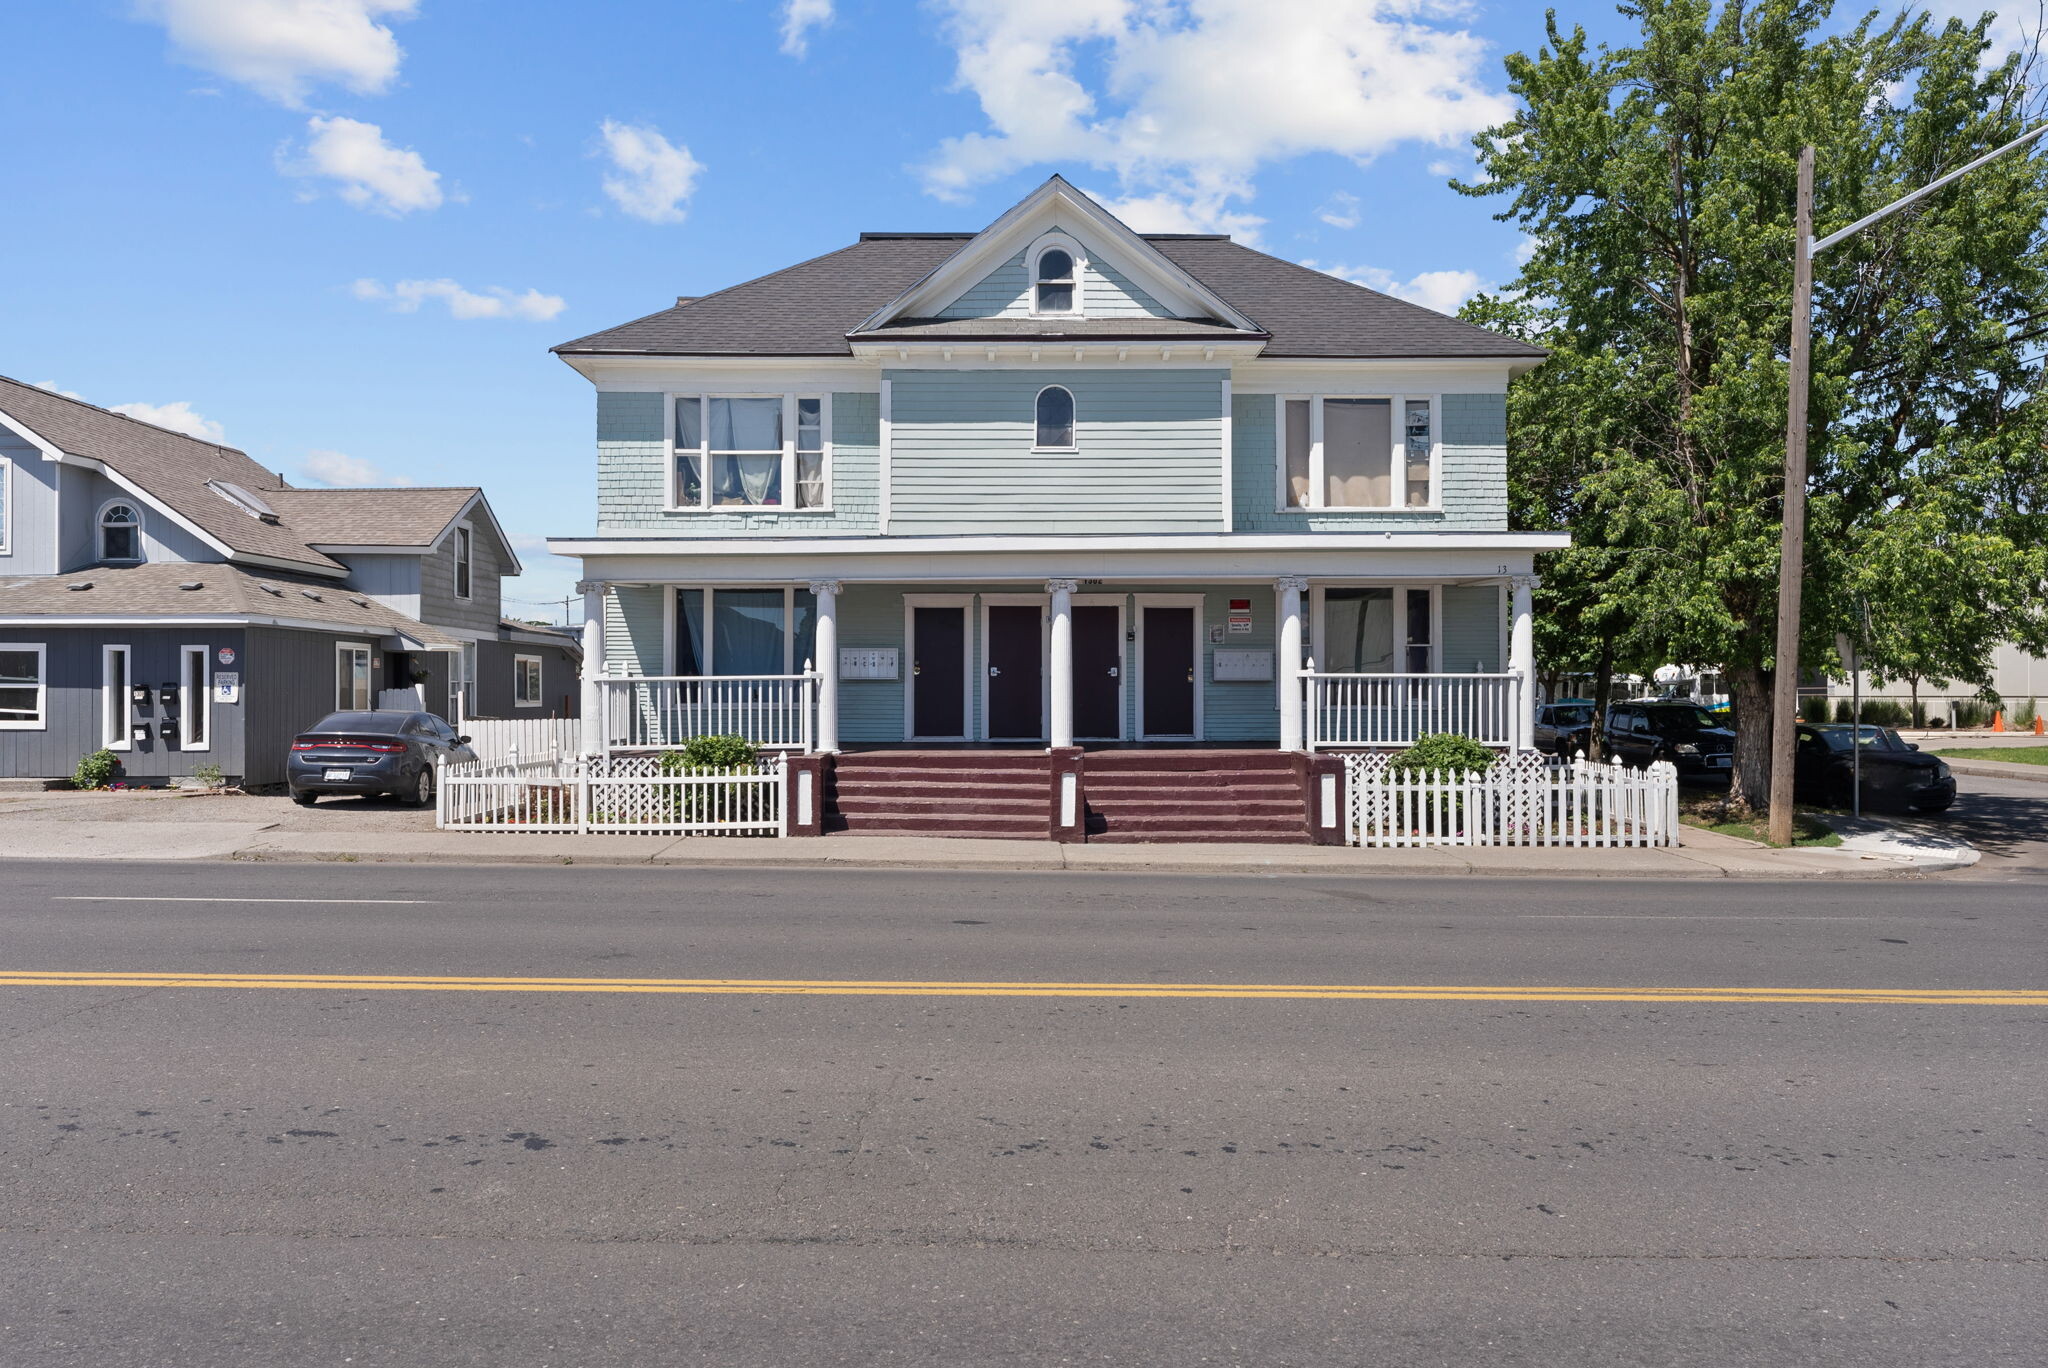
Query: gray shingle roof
x=370, y=517
x=808, y=309
x=225, y=590
x=169, y=466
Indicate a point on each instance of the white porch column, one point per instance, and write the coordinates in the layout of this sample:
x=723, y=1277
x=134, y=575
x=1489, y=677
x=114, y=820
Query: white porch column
x=1061, y=728
x=827, y=594
x=1522, y=657
x=1291, y=588
x=593, y=667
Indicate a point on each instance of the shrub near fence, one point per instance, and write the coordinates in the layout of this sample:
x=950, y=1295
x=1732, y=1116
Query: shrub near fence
x=623, y=794
x=1523, y=800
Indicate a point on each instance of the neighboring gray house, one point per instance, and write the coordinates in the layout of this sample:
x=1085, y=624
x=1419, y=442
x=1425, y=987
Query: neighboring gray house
x=173, y=601
x=1055, y=482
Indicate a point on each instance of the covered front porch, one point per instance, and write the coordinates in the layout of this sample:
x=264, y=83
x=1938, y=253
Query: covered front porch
x=1286, y=662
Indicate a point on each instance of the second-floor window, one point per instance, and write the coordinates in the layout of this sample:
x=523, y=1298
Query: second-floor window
x=744, y=452
x=1053, y=290
x=1358, y=452
x=465, y=550
x=1055, y=419
x=120, y=533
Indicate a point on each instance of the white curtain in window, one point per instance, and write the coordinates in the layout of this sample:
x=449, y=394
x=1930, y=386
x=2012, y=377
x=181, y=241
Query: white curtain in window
x=1358, y=456
x=746, y=425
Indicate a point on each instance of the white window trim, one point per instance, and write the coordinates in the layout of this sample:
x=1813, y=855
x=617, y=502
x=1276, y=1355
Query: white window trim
x=342, y=648
x=1074, y=422
x=1317, y=595
x=1198, y=602
x=706, y=647
x=99, y=531
x=41, y=721
x=190, y=707
x=6, y=505
x=908, y=669
x=671, y=487
x=1077, y=255
x=1397, y=406
x=519, y=664
x=464, y=542
x=116, y=712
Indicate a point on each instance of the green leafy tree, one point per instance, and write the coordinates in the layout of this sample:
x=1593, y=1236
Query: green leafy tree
x=1656, y=183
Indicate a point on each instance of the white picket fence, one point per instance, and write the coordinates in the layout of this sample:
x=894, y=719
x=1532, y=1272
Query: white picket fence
x=621, y=794
x=515, y=740
x=1523, y=800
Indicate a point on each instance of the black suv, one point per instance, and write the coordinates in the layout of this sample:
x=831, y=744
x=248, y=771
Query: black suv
x=1895, y=774
x=1685, y=734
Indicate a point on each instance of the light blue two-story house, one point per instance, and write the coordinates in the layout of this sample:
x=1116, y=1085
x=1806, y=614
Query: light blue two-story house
x=1048, y=486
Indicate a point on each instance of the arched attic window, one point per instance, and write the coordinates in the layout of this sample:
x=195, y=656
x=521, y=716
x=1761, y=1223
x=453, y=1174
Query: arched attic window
x=1053, y=282
x=120, y=532
x=1055, y=415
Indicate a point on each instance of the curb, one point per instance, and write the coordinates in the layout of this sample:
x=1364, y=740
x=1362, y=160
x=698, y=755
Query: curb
x=1992, y=769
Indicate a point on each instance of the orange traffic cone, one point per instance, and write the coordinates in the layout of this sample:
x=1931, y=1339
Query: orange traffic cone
x=2041, y=726
x=1998, y=720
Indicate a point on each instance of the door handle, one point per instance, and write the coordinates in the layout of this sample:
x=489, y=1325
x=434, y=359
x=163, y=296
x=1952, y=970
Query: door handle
x=1112, y=672
x=994, y=670
x=917, y=667
x=1191, y=674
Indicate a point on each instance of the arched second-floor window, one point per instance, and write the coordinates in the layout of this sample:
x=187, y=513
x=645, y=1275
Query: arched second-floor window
x=120, y=532
x=1055, y=415
x=1053, y=282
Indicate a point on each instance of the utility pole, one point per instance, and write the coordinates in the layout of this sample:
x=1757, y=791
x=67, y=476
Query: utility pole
x=1792, y=536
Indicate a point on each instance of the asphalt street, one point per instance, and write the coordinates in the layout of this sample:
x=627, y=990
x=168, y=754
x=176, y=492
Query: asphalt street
x=1281, y=1120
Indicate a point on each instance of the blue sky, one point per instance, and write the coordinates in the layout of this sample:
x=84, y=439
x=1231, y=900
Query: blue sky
x=342, y=234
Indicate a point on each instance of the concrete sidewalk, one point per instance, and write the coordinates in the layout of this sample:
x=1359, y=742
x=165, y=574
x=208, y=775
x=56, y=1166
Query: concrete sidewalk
x=1705, y=856
x=2000, y=769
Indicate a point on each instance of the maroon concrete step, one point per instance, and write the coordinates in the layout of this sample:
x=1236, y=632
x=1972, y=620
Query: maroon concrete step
x=902, y=824
x=949, y=778
x=1034, y=807
x=979, y=761
x=1121, y=788
x=1116, y=762
x=1201, y=810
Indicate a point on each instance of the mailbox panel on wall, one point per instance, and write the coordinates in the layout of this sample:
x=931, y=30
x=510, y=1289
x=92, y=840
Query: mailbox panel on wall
x=867, y=662
x=1249, y=666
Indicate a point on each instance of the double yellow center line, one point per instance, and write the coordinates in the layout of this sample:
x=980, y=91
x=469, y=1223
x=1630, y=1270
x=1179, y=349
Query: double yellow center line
x=1283, y=992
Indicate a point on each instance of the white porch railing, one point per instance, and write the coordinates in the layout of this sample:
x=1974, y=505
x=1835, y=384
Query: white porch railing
x=775, y=712
x=588, y=795
x=512, y=740
x=1389, y=711
x=1523, y=800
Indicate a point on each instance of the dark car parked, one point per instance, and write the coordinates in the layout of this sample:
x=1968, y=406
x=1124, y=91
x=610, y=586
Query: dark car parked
x=372, y=753
x=1686, y=734
x=1565, y=727
x=1895, y=774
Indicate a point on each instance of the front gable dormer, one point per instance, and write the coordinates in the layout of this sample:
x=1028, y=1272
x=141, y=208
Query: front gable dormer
x=1059, y=256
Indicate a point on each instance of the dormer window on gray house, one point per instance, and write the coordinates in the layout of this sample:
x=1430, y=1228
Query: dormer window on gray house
x=1055, y=291
x=120, y=533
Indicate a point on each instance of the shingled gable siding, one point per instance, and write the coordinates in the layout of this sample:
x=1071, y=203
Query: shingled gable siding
x=1475, y=472
x=438, y=604
x=632, y=473
x=961, y=461
x=1005, y=292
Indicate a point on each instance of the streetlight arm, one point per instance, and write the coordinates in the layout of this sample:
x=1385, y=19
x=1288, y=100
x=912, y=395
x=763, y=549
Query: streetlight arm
x=1860, y=224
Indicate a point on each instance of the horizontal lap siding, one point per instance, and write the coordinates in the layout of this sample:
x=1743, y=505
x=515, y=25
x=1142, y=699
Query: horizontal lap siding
x=1473, y=616
x=28, y=525
x=1475, y=473
x=634, y=629
x=961, y=460
x=632, y=473
x=1005, y=292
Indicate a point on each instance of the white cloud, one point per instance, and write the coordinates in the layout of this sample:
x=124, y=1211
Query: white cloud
x=1340, y=211
x=369, y=172
x=1194, y=97
x=1183, y=212
x=653, y=177
x=51, y=386
x=177, y=416
x=279, y=48
x=1445, y=167
x=406, y=296
x=799, y=17
x=1443, y=291
x=1525, y=251
x=337, y=469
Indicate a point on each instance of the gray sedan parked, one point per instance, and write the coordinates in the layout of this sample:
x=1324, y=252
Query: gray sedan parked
x=372, y=753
